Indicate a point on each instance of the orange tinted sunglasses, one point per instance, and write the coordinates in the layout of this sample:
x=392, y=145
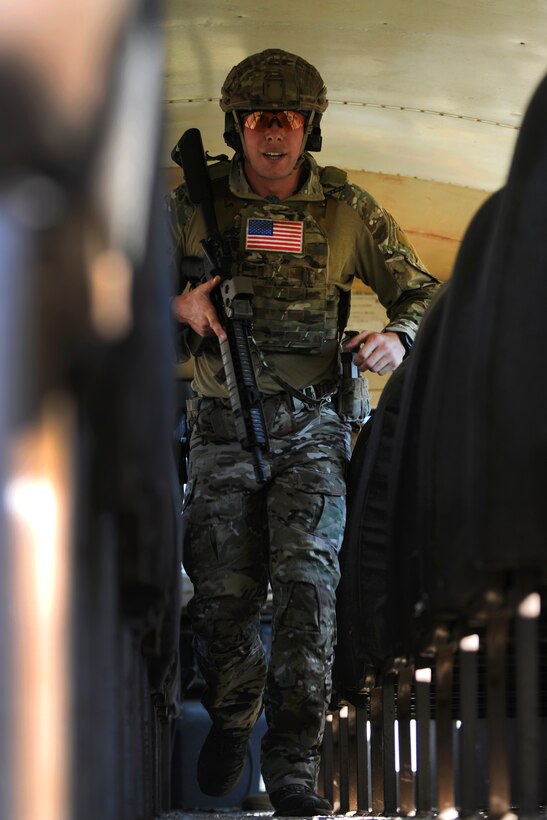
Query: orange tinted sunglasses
x=263, y=120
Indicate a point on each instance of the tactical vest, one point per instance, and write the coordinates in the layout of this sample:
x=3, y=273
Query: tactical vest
x=295, y=305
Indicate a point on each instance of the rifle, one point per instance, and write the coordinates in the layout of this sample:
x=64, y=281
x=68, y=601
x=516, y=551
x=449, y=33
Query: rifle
x=232, y=302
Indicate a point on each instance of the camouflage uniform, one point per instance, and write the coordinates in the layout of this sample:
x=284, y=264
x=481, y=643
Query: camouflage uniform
x=240, y=535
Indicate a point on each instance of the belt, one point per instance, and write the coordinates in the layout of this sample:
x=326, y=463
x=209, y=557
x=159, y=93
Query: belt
x=312, y=396
x=318, y=394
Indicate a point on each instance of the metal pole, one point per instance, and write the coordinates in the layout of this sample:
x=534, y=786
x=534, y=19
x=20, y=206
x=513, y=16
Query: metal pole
x=363, y=799
x=377, y=751
x=528, y=717
x=388, y=721
x=445, y=764
x=469, y=647
x=343, y=744
x=496, y=677
x=327, y=760
x=406, y=782
x=423, y=740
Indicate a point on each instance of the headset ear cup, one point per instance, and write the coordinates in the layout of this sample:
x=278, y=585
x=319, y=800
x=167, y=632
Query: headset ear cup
x=314, y=140
x=231, y=136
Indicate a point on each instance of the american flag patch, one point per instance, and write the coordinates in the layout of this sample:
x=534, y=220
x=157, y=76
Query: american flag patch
x=274, y=235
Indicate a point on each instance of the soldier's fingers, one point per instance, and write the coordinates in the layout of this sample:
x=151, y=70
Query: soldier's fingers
x=218, y=330
x=210, y=285
x=370, y=352
x=358, y=340
x=363, y=363
x=383, y=365
x=377, y=360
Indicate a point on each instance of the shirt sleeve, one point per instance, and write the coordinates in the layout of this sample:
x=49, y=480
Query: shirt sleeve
x=388, y=263
x=178, y=213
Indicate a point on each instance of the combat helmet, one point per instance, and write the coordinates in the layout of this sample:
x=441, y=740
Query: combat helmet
x=273, y=80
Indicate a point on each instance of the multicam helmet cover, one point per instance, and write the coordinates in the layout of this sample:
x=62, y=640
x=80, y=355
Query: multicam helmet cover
x=273, y=80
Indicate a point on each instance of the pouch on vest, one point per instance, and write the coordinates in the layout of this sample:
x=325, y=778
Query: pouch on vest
x=352, y=398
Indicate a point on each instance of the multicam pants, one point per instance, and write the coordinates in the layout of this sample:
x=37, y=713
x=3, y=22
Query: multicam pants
x=240, y=535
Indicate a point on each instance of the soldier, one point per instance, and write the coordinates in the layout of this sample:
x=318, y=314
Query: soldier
x=301, y=233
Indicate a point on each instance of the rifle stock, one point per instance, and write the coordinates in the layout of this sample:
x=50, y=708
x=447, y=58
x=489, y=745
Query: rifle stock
x=232, y=302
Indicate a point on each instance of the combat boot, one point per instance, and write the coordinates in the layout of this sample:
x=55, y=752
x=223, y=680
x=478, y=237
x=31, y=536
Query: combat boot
x=221, y=761
x=295, y=800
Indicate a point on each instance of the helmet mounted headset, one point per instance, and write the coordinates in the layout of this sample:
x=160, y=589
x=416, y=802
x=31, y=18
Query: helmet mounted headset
x=270, y=81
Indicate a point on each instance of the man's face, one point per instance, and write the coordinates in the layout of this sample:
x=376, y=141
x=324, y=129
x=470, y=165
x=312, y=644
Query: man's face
x=273, y=141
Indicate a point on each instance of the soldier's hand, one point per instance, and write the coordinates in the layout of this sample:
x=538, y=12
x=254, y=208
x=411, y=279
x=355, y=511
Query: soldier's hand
x=379, y=352
x=195, y=308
